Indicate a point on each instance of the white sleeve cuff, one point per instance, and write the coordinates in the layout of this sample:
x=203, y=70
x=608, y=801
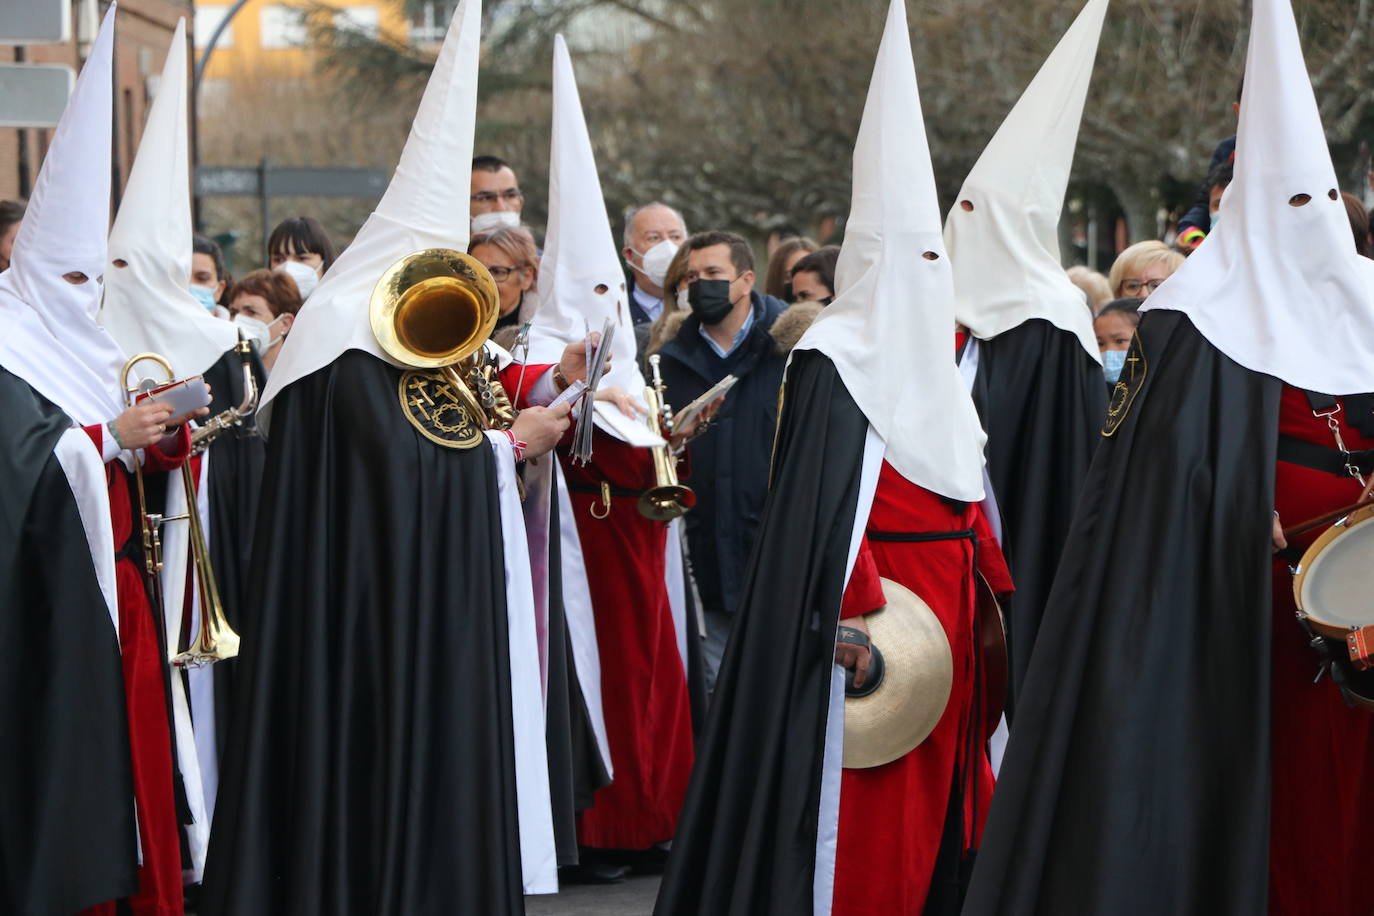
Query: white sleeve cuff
x=543, y=391
x=109, y=448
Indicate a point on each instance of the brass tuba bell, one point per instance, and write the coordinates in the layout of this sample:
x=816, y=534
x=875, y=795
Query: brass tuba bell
x=434, y=309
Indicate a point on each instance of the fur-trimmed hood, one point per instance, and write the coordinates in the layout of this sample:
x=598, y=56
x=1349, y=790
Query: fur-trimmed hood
x=792, y=324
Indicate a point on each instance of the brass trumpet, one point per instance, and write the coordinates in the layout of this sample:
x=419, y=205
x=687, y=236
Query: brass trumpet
x=667, y=499
x=215, y=640
x=207, y=432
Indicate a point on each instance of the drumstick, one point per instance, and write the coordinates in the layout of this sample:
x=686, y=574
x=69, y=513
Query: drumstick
x=1304, y=527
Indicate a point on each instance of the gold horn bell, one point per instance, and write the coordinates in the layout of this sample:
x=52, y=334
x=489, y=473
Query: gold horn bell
x=434, y=308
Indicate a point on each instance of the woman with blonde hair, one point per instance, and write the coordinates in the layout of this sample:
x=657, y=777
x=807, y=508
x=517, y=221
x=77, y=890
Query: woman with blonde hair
x=675, y=308
x=509, y=254
x=1095, y=287
x=1140, y=269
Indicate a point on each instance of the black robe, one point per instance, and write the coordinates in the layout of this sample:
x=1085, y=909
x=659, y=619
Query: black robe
x=746, y=841
x=1041, y=398
x=236, y=462
x=67, y=835
x=370, y=767
x=575, y=767
x=1136, y=780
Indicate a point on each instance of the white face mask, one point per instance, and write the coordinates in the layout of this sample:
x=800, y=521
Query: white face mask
x=682, y=301
x=656, y=261
x=305, y=276
x=497, y=219
x=256, y=330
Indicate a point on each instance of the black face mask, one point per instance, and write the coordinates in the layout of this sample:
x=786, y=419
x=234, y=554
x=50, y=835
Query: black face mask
x=710, y=300
x=787, y=291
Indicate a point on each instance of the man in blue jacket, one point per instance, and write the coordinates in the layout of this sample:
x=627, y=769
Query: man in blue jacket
x=727, y=333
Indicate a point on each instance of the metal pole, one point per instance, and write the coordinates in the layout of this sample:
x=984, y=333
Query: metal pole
x=264, y=209
x=22, y=136
x=1092, y=233
x=210, y=45
x=196, y=75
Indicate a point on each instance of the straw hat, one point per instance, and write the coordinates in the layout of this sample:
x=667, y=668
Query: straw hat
x=918, y=674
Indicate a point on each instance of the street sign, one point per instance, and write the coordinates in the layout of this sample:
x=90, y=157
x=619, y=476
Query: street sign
x=34, y=95
x=35, y=22
x=289, y=182
x=228, y=182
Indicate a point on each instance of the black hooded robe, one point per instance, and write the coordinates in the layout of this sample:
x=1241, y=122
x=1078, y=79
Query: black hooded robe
x=1136, y=780
x=67, y=835
x=236, y=462
x=371, y=764
x=1042, y=401
x=746, y=840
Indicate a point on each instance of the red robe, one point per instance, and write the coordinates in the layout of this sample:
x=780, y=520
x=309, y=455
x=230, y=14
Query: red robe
x=516, y=389
x=643, y=686
x=1321, y=834
x=892, y=817
x=145, y=688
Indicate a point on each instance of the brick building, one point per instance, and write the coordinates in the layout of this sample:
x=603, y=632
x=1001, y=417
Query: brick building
x=142, y=33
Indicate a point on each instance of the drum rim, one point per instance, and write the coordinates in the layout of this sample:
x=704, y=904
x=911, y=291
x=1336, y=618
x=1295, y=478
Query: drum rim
x=1337, y=530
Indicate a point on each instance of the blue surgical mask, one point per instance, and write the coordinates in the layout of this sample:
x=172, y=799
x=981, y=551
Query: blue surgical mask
x=1113, y=361
x=205, y=295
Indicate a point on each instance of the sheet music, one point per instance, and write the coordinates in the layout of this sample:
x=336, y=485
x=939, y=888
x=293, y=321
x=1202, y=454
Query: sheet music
x=596, y=368
x=693, y=410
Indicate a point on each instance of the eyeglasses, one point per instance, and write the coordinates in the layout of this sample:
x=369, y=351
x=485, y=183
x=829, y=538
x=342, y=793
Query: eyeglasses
x=1137, y=286
x=509, y=195
x=501, y=274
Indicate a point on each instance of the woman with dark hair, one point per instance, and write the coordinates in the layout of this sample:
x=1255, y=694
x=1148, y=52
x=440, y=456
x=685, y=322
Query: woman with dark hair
x=209, y=279
x=11, y=215
x=1115, y=328
x=260, y=302
x=813, y=277
x=303, y=239
x=777, y=281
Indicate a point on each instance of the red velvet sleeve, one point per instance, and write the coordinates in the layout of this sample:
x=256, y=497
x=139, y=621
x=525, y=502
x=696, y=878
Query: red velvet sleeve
x=864, y=593
x=97, y=434
x=991, y=563
x=510, y=380
x=170, y=457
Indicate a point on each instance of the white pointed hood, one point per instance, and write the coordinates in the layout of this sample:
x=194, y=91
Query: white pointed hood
x=1276, y=287
x=425, y=206
x=48, y=332
x=581, y=282
x=147, y=303
x=1005, y=250
x=890, y=330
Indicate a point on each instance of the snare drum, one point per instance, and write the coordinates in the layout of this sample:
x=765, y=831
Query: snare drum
x=1334, y=589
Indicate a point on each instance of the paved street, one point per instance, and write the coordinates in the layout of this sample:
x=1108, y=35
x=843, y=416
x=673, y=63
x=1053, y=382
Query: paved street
x=633, y=898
